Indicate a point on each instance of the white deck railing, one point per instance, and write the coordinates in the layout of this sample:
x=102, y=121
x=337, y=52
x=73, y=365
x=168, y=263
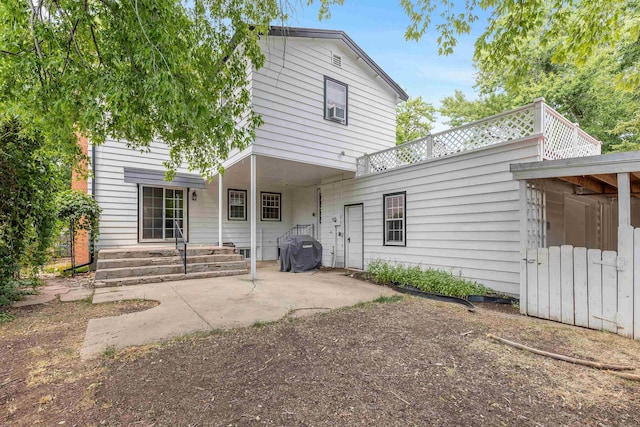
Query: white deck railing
x=560, y=138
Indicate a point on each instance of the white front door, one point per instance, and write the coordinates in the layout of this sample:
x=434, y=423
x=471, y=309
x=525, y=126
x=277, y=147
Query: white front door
x=354, y=241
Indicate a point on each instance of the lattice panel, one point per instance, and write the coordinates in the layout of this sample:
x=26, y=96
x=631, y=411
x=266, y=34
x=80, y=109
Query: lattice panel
x=564, y=140
x=559, y=138
x=536, y=217
x=515, y=125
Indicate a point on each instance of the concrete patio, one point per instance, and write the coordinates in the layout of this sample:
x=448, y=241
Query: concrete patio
x=220, y=303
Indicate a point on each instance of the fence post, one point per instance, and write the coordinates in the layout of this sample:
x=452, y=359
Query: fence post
x=538, y=115
x=429, y=146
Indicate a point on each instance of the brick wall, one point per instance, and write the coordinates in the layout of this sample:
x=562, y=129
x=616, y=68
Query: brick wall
x=79, y=182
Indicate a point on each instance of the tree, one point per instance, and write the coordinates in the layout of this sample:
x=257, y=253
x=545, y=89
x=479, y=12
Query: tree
x=460, y=110
x=587, y=94
x=80, y=212
x=29, y=178
x=136, y=70
x=414, y=119
x=574, y=30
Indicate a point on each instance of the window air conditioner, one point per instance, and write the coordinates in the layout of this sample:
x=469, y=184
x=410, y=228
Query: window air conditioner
x=336, y=113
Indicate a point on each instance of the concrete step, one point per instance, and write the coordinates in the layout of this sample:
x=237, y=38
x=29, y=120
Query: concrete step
x=164, y=251
x=163, y=269
x=126, y=281
x=104, y=264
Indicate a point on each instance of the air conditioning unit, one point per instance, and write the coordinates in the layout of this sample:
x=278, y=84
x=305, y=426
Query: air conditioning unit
x=336, y=113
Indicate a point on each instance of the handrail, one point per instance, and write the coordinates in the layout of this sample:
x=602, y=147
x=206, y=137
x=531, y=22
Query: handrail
x=177, y=231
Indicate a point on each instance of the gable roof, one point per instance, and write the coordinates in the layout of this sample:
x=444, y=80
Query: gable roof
x=339, y=35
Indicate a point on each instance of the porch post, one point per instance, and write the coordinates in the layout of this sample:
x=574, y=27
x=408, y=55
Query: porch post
x=220, y=210
x=625, y=257
x=254, y=213
x=524, y=219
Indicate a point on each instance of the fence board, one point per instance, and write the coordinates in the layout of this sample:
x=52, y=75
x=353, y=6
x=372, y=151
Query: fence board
x=625, y=281
x=532, y=279
x=609, y=291
x=566, y=283
x=555, y=294
x=524, y=284
x=636, y=283
x=580, y=290
x=594, y=288
x=543, y=283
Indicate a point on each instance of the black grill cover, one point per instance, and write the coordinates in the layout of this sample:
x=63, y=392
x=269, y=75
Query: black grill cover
x=300, y=253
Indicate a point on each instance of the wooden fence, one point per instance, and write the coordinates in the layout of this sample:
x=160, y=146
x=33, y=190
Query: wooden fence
x=585, y=287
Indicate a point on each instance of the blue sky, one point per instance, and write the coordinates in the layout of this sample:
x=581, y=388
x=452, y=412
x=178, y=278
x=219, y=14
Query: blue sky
x=378, y=27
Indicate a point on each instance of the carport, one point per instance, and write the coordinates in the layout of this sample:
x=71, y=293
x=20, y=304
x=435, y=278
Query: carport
x=580, y=242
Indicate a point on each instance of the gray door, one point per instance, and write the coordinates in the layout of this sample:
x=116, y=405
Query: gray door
x=354, y=250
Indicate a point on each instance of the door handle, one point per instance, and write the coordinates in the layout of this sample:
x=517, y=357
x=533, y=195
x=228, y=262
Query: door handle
x=348, y=239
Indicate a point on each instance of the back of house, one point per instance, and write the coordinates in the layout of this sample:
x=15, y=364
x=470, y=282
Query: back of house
x=325, y=163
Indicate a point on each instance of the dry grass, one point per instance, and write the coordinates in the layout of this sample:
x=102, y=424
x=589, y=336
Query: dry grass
x=41, y=371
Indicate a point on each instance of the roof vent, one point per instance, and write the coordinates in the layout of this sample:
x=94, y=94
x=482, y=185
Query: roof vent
x=336, y=60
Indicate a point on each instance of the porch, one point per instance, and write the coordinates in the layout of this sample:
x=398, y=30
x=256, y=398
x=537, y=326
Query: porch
x=580, y=240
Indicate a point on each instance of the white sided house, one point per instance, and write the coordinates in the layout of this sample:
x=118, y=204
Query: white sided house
x=470, y=200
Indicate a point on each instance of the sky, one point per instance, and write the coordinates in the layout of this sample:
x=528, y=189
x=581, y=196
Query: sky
x=378, y=27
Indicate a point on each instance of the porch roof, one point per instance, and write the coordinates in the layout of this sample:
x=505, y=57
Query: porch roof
x=593, y=174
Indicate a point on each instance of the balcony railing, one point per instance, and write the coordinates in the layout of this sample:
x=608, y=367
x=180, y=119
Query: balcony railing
x=560, y=139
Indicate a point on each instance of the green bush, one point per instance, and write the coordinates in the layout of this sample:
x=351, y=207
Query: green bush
x=14, y=290
x=435, y=281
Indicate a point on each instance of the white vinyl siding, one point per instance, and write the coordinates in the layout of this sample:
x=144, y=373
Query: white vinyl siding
x=462, y=214
x=288, y=93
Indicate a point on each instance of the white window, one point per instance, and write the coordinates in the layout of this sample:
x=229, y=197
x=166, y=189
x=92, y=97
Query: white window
x=335, y=100
x=160, y=209
x=270, y=206
x=394, y=219
x=237, y=202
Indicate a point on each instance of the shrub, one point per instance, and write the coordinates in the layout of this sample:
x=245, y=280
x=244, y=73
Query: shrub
x=435, y=281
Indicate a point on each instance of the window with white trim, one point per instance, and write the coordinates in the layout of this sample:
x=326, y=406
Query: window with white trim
x=159, y=208
x=335, y=100
x=237, y=205
x=394, y=219
x=271, y=207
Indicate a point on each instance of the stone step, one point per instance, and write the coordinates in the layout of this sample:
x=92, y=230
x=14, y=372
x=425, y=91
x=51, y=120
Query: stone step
x=127, y=281
x=166, y=269
x=104, y=264
x=151, y=252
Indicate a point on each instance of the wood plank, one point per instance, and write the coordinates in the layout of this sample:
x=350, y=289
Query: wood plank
x=555, y=292
x=636, y=284
x=566, y=284
x=543, y=283
x=625, y=280
x=532, y=282
x=580, y=290
x=609, y=291
x=594, y=288
x=586, y=182
x=609, y=178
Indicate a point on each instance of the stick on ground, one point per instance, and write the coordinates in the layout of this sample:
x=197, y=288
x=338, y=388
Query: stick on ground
x=589, y=363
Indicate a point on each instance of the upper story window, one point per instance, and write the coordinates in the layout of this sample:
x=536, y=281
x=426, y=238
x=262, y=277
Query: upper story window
x=335, y=100
x=237, y=204
x=395, y=230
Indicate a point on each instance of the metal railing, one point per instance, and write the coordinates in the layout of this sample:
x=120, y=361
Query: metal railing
x=561, y=139
x=181, y=244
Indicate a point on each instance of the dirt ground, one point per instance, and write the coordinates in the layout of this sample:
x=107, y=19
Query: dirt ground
x=411, y=362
